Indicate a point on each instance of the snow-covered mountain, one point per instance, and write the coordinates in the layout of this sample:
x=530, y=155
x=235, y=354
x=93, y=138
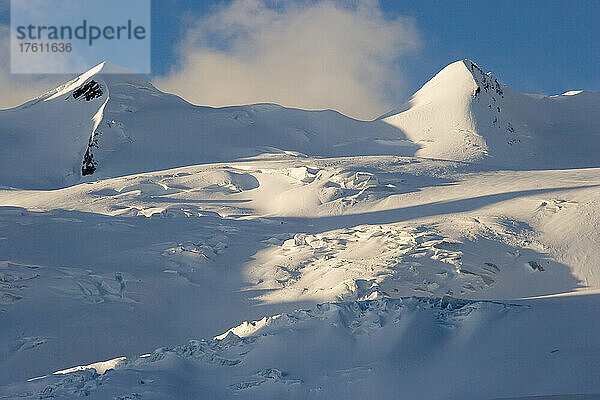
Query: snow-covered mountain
x=110, y=124
x=153, y=249
x=464, y=114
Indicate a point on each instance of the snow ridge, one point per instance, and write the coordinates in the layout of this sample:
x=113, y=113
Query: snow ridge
x=462, y=114
x=236, y=347
x=466, y=114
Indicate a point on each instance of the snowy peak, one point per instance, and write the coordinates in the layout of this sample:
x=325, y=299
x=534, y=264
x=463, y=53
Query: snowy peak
x=107, y=124
x=463, y=77
x=438, y=116
x=466, y=114
x=111, y=74
x=455, y=78
x=485, y=81
x=73, y=84
x=44, y=142
x=65, y=131
x=110, y=122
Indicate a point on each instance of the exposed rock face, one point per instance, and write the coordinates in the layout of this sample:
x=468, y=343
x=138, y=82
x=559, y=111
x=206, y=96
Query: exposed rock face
x=89, y=91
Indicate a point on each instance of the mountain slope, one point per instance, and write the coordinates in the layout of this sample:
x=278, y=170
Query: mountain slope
x=44, y=140
x=395, y=348
x=359, y=274
x=464, y=114
x=109, y=122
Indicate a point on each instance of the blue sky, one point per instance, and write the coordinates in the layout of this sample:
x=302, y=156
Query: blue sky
x=545, y=46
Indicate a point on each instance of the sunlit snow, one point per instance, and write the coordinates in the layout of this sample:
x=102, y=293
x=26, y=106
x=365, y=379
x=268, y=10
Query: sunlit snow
x=445, y=250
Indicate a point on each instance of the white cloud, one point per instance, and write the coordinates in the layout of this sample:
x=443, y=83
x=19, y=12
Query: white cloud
x=309, y=54
x=15, y=89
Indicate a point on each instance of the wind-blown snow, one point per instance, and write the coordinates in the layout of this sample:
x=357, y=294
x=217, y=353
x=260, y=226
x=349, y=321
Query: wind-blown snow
x=445, y=250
